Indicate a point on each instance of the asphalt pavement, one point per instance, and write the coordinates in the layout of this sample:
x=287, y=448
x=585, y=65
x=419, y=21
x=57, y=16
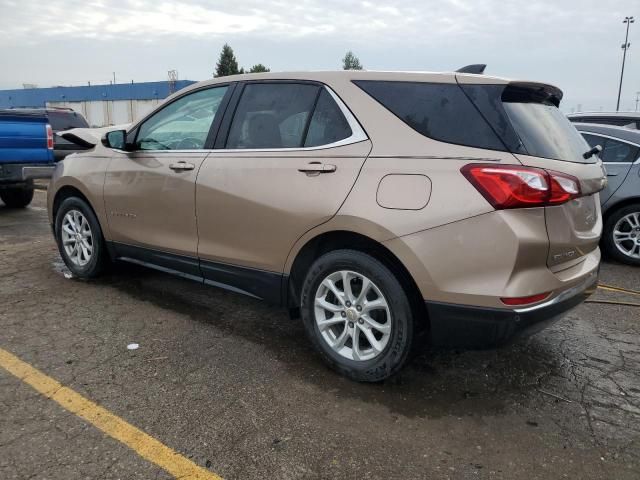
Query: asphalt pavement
x=232, y=385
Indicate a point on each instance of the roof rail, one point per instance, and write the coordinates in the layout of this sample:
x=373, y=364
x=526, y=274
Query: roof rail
x=477, y=68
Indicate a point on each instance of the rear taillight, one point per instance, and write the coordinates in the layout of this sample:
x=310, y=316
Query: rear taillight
x=512, y=186
x=518, y=301
x=49, y=137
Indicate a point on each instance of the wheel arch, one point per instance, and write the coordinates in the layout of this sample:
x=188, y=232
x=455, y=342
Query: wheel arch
x=343, y=239
x=625, y=202
x=68, y=191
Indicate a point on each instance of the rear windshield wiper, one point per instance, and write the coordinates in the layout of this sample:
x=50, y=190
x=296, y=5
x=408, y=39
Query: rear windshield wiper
x=590, y=153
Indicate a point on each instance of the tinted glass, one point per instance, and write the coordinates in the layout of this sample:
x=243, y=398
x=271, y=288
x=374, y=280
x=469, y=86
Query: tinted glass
x=328, y=124
x=66, y=120
x=488, y=99
x=272, y=115
x=439, y=111
x=546, y=132
x=183, y=124
x=618, y=152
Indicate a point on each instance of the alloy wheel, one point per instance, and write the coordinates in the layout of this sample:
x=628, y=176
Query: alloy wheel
x=626, y=235
x=77, y=238
x=352, y=315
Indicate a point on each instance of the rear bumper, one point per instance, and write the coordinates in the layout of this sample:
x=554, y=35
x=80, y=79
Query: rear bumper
x=479, y=327
x=19, y=172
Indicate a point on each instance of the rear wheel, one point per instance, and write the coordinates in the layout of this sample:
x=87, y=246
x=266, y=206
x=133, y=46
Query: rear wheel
x=621, y=238
x=357, y=315
x=79, y=238
x=18, y=197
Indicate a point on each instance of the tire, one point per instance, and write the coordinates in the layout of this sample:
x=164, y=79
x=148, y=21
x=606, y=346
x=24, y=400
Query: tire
x=81, y=265
x=399, y=319
x=608, y=241
x=18, y=197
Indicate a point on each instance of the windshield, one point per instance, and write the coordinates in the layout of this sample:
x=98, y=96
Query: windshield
x=546, y=132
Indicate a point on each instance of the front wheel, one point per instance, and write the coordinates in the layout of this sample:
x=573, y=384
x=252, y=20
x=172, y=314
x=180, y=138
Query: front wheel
x=621, y=236
x=357, y=315
x=79, y=238
x=18, y=197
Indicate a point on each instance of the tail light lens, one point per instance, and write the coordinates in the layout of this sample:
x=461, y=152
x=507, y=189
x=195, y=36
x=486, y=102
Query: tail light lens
x=512, y=186
x=49, y=137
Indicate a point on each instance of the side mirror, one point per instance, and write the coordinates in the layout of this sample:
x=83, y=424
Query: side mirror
x=115, y=139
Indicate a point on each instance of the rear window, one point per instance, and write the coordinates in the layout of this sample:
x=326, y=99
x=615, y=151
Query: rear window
x=518, y=118
x=529, y=121
x=436, y=110
x=66, y=120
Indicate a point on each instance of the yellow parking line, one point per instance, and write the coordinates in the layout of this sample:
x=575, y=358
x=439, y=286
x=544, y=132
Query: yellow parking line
x=144, y=445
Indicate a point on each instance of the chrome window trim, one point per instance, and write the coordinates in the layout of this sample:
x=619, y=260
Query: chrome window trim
x=596, y=134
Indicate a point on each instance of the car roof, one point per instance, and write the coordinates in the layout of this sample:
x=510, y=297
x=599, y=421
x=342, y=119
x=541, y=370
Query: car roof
x=330, y=77
x=622, y=133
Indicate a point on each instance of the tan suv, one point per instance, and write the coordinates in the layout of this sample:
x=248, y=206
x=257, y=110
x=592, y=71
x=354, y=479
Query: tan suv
x=383, y=207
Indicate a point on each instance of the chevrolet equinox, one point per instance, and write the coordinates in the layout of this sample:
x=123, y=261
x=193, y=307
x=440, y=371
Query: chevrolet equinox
x=387, y=209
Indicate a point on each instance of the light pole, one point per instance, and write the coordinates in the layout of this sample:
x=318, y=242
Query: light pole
x=625, y=47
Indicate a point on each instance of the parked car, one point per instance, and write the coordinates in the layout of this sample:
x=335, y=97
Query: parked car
x=620, y=119
x=621, y=199
x=60, y=119
x=26, y=153
x=382, y=207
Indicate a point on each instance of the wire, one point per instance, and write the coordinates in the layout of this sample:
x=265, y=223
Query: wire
x=612, y=288
x=613, y=302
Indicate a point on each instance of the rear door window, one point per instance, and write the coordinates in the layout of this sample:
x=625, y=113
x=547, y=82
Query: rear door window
x=272, y=115
x=328, y=124
x=440, y=111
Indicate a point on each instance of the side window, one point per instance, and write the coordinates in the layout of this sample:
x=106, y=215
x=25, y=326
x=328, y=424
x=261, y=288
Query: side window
x=328, y=124
x=594, y=140
x=183, y=124
x=272, y=115
x=618, y=152
x=436, y=110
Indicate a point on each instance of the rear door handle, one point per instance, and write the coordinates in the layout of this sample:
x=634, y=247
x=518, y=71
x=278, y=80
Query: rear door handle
x=317, y=168
x=181, y=166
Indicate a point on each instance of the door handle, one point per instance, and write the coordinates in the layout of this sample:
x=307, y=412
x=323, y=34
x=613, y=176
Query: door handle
x=181, y=166
x=318, y=168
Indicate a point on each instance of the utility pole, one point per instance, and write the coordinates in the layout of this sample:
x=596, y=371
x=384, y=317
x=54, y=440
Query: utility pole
x=625, y=47
x=114, y=77
x=637, y=100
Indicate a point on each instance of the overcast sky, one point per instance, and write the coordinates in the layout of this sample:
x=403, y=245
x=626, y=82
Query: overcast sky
x=572, y=44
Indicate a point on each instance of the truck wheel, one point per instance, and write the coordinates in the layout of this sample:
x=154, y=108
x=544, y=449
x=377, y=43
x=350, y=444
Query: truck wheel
x=18, y=197
x=357, y=315
x=80, y=239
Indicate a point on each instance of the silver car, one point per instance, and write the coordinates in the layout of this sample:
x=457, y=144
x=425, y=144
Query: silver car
x=621, y=199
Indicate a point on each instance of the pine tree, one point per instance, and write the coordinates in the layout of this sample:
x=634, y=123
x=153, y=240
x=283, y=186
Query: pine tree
x=227, y=64
x=259, y=68
x=351, y=62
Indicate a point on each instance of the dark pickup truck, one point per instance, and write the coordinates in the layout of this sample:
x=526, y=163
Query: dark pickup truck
x=28, y=149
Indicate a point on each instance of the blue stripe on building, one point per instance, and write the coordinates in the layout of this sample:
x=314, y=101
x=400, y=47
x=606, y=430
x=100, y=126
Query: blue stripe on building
x=38, y=97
